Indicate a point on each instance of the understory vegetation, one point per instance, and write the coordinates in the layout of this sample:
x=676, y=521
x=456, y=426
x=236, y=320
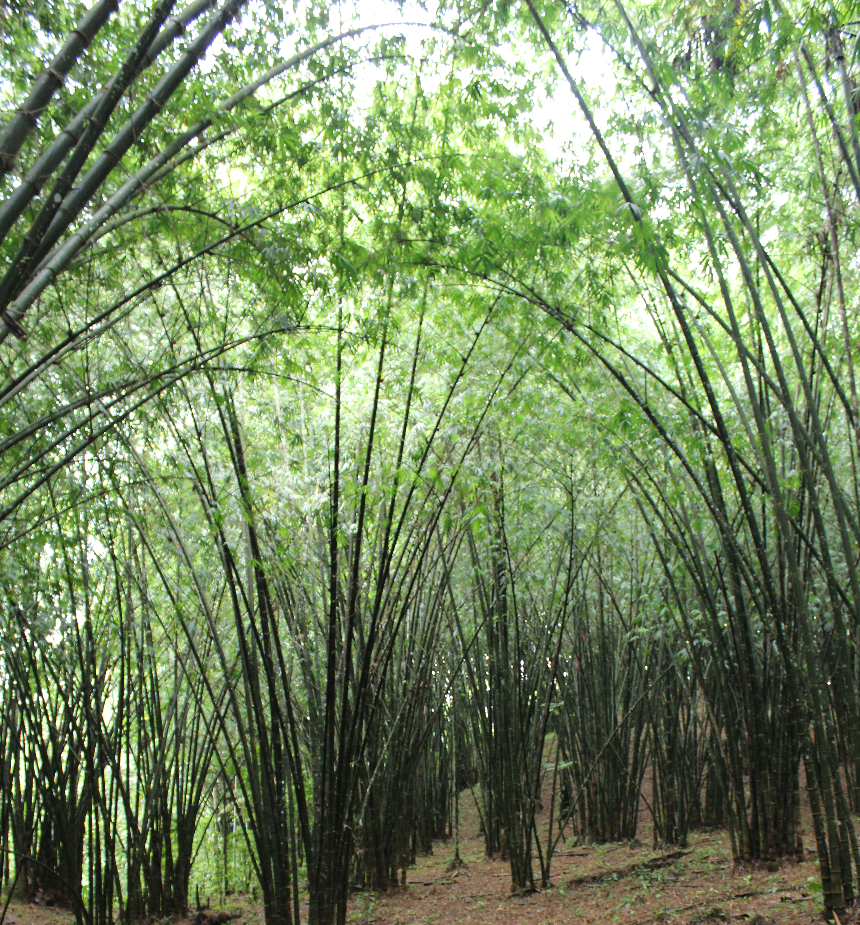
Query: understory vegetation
x=397, y=402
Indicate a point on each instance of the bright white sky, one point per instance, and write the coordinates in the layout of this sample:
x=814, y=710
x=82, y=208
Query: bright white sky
x=558, y=119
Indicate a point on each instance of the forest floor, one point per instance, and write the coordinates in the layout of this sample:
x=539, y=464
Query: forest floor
x=628, y=883
x=625, y=883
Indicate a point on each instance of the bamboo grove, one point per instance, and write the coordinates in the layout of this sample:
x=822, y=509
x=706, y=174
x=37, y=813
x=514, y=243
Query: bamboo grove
x=360, y=457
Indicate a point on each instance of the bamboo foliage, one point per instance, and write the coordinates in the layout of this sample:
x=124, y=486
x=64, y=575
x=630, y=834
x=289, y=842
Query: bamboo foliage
x=745, y=583
x=356, y=456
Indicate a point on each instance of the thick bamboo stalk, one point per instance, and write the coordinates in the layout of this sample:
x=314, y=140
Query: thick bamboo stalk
x=26, y=117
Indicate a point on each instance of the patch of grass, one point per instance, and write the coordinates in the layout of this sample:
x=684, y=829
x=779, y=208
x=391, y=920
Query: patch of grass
x=363, y=906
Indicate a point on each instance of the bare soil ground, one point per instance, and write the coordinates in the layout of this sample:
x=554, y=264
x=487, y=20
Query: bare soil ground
x=626, y=883
x=632, y=883
x=620, y=883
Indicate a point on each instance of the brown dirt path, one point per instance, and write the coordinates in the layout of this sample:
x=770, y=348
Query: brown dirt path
x=628, y=884
x=616, y=884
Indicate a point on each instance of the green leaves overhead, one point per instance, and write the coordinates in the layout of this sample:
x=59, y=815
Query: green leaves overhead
x=323, y=352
